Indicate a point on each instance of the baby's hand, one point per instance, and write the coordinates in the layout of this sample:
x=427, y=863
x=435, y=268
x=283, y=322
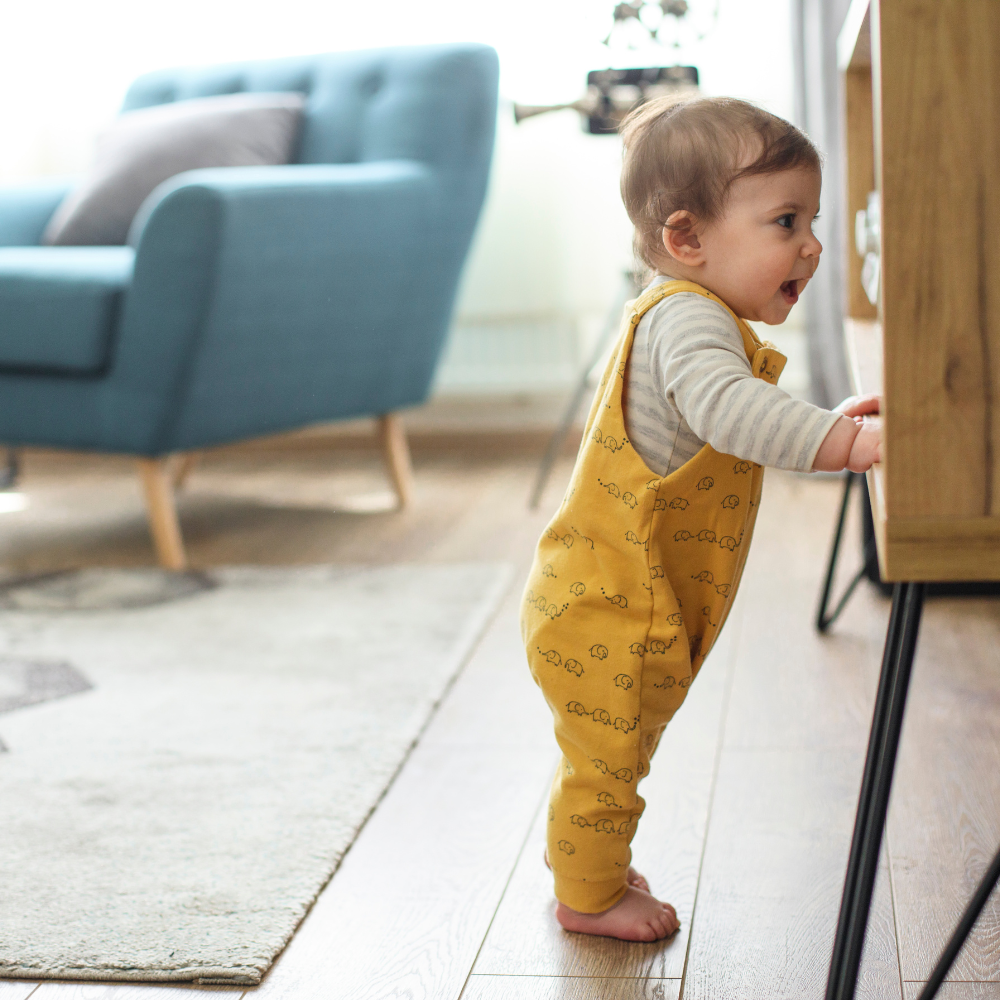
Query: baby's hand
x=858, y=406
x=867, y=447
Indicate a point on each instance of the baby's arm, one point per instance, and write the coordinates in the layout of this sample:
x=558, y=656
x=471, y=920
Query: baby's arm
x=699, y=363
x=853, y=444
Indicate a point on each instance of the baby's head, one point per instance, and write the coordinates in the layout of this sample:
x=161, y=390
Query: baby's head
x=724, y=194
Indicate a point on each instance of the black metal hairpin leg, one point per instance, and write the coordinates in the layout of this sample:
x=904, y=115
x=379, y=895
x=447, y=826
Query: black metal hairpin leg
x=887, y=722
x=963, y=930
x=824, y=620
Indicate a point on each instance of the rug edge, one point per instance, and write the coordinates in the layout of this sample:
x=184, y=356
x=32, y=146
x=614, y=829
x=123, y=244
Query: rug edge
x=236, y=976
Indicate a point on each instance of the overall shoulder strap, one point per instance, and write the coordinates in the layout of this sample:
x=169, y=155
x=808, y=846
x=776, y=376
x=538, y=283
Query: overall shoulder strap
x=656, y=294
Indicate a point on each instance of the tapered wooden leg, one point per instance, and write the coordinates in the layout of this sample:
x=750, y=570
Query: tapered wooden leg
x=183, y=464
x=396, y=452
x=157, y=482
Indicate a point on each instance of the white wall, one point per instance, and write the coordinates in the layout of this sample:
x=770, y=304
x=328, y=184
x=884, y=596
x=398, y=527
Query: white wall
x=554, y=238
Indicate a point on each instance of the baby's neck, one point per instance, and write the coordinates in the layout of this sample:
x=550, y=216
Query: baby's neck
x=678, y=272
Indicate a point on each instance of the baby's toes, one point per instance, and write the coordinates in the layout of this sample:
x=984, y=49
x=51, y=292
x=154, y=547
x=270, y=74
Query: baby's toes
x=663, y=929
x=651, y=932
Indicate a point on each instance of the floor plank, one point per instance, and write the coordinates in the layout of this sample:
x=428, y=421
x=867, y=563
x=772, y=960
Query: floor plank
x=944, y=821
x=796, y=727
x=431, y=865
x=772, y=879
x=16, y=990
x=494, y=701
x=426, y=875
x=956, y=991
x=796, y=724
x=563, y=988
x=525, y=939
x=794, y=687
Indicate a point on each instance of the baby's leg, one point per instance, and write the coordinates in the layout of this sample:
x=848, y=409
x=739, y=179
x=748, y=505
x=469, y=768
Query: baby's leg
x=594, y=808
x=616, y=907
x=593, y=813
x=633, y=877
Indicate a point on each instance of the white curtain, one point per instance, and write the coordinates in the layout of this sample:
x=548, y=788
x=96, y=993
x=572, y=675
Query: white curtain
x=815, y=26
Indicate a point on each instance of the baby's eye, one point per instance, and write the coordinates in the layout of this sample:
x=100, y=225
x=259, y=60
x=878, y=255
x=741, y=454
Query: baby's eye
x=787, y=221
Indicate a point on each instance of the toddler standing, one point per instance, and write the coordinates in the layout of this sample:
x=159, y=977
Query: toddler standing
x=636, y=572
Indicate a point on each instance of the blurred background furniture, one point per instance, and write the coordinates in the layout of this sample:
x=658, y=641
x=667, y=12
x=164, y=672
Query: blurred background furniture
x=255, y=300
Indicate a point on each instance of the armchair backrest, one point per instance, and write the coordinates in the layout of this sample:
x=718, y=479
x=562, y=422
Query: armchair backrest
x=435, y=103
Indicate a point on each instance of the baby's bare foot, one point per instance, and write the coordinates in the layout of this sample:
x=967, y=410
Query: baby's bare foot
x=639, y=881
x=637, y=916
x=633, y=877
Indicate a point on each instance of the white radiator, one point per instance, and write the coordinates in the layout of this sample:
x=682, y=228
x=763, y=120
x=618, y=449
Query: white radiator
x=510, y=354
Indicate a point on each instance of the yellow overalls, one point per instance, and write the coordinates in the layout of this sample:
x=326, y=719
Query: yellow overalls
x=631, y=583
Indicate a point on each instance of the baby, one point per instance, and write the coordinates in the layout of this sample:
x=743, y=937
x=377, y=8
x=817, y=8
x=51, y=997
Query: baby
x=635, y=574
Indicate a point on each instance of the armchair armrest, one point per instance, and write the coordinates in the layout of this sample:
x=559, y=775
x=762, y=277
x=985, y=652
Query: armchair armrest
x=26, y=208
x=262, y=295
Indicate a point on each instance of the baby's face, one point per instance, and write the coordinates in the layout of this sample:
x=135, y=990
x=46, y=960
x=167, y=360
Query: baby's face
x=759, y=256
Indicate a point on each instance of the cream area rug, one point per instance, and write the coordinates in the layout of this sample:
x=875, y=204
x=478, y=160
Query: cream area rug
x=186, y=759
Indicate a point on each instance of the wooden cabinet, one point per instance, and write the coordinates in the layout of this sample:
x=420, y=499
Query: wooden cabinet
x=922, y=101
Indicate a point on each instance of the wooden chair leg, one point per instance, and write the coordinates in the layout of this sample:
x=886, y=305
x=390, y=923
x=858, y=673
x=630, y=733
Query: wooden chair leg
x=396, y=452
x=157, y=483
x=183, y=464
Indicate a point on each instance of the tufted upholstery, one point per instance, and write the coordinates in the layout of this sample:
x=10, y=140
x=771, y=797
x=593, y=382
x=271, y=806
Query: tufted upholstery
x=421, y=104
x=262, y=299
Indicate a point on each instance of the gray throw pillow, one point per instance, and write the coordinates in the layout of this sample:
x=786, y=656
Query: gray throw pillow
x=146, y=147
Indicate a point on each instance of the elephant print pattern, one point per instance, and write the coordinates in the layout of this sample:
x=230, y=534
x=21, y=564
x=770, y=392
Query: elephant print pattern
x=547, y=609
x=601, y=825
x=618, y=600
x=631, y=584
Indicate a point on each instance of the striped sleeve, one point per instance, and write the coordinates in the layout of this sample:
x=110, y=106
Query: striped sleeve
x=698, y=361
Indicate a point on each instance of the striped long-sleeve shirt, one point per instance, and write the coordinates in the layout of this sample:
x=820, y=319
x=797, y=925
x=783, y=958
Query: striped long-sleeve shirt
x=689, y=382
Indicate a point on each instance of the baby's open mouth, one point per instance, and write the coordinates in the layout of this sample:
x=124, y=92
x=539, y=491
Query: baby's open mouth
x=790, y=291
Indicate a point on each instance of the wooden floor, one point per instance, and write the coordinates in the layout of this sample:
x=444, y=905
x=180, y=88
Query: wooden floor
x=751, y=796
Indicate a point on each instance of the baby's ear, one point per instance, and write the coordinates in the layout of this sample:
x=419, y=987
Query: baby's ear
x=680, y=238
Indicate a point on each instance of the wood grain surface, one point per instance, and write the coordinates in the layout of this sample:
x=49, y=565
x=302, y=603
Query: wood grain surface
x=956, y=991
x=940, y=143
x=773, y=876
x=416, y=896
x=562, y=988
x=922, y=125
x=792, y=687
x=427, y=877
x=944, y=821
x=16, y=991
x=860, y=149
x=784, y=803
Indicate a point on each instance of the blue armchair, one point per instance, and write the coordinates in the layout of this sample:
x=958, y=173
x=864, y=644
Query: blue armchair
x=257, y=299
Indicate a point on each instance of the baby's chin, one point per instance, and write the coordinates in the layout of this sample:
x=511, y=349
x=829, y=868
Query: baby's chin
x=771, y=314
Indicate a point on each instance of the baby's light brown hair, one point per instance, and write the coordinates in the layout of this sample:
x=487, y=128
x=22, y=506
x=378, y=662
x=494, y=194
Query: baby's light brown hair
x=687, y=155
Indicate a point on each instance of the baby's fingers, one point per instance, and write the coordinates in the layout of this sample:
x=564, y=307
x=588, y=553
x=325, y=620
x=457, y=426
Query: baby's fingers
x=856, y=406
